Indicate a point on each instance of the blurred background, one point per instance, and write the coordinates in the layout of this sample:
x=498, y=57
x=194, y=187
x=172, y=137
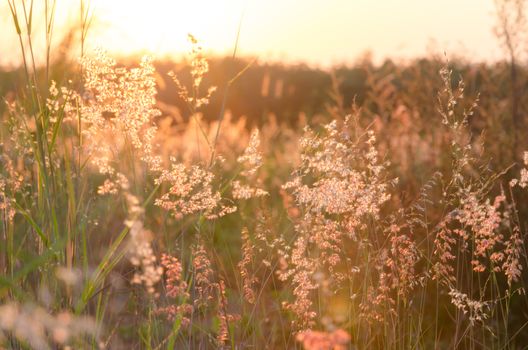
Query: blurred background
x=301, y=60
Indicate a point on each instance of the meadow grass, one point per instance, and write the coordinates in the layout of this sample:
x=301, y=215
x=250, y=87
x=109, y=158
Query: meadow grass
x=124, y=227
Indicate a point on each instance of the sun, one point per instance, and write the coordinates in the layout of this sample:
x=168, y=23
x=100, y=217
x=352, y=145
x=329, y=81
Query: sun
x=160, y=27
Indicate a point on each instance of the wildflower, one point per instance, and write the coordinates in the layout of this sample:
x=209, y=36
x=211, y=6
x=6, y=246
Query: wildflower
x=444, y=242
x=190, y=192
x=403, y=258
x=117, y=108
x=141, y=253
x=241, y=191
x=223, y=332
x=523, y=180
x=203, y=277
x=251, y=161
x=244, y=266
x=10, y=184
x=176, y=288
x=484, y=219
x=316, y=340
x=42, y=330
x=337, y=186
x=480, y=222
x=477, y=309
x=199, y=67
x=512, y=266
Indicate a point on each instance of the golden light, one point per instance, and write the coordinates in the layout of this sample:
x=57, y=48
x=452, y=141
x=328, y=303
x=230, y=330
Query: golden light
x=313, y=31
x=160, y=27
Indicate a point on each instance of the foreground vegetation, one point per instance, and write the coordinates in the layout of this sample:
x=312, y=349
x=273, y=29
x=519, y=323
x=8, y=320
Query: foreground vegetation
x=395, y=220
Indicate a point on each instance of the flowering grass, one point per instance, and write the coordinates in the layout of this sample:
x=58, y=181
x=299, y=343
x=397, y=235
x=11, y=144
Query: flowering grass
x=122, y=227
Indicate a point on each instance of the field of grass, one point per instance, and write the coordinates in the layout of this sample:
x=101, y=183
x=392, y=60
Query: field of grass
x=231, y=204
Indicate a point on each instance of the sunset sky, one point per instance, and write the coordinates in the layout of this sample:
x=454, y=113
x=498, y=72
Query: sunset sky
x=315, y=31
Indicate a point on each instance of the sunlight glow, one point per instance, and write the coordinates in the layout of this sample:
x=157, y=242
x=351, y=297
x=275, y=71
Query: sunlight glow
x=312, y=31
x=161, y=26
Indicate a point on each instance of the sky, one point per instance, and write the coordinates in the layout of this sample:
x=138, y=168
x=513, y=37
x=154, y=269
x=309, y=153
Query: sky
x=318, y=32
